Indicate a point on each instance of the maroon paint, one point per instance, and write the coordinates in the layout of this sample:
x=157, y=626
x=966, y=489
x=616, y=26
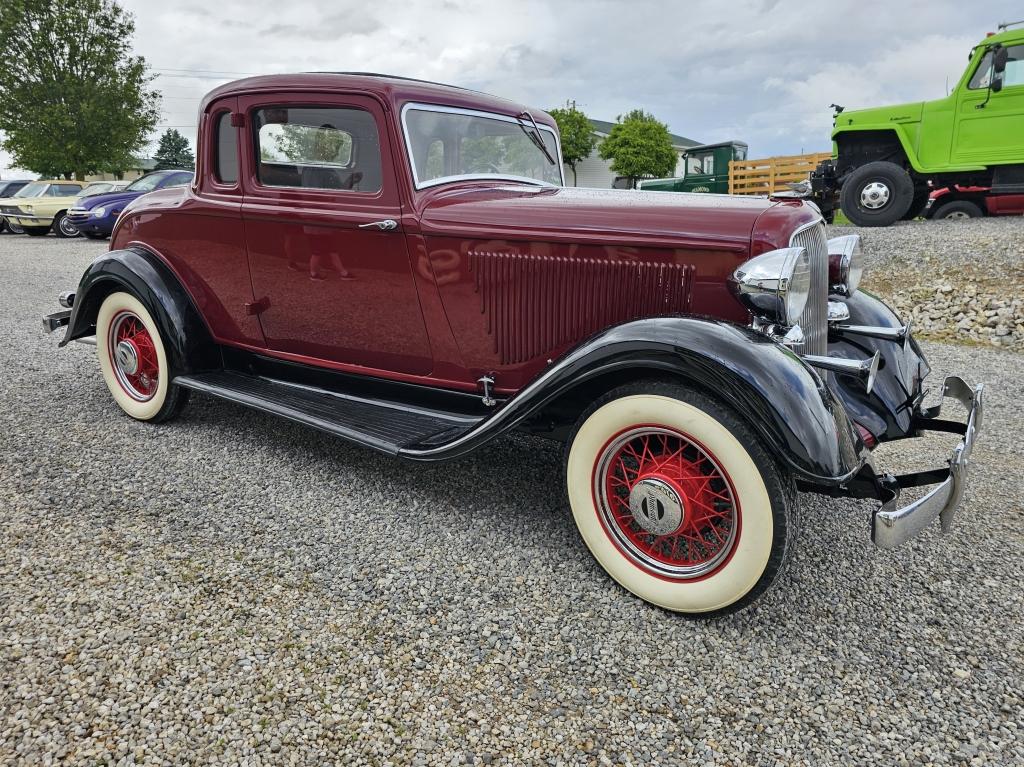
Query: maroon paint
x=480, y=277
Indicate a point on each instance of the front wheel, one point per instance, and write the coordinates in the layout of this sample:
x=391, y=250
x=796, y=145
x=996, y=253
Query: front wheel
x=133, y=360
x=677, y=500
x=877, y=194
x=64, y=228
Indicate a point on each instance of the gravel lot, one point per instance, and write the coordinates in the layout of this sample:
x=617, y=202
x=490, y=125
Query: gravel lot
x=234, y=589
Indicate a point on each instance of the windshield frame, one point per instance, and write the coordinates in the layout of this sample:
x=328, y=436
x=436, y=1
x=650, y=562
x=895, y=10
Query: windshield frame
x=406, y=108
x=45, y=185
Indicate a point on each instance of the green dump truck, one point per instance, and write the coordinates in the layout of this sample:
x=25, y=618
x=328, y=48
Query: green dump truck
x=887, y=160
x=706, y=169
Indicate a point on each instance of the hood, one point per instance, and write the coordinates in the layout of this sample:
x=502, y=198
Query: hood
x=600, y=215
x=94, y=201
x=897, y=113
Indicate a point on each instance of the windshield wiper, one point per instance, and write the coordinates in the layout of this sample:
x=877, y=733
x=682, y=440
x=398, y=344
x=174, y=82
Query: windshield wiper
x=534, y=135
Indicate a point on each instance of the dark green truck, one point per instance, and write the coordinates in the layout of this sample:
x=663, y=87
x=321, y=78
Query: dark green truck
x=706, y=169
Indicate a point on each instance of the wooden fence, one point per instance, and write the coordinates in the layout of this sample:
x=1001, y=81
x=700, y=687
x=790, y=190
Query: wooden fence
x=771, y=174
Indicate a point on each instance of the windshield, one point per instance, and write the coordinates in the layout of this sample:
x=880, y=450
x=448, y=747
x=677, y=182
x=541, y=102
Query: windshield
x=95, y=189
x=445, y=144
x=35, y=189
x=146, y=183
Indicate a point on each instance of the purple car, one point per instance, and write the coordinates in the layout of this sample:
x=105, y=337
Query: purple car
x=95, y=216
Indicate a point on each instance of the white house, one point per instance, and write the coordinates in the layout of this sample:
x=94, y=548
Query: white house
x=594, y=172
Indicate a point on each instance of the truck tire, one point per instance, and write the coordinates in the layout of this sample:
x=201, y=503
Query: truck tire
x=917, y=207
x=678, y=500
x=877, y=194
x=958, y=209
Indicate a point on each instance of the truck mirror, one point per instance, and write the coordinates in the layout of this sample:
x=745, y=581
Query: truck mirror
x=999, y=58
x=997, y=82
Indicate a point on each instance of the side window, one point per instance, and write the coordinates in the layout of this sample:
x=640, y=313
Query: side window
x=1014, y=74
x=699, y=164
x=68, y=190
x=318, y=148
x=225, y=163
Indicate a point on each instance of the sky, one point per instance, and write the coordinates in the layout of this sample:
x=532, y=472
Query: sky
x=759, y=71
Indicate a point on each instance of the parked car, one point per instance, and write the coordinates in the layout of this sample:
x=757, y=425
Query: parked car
x=8, y=189
x=95, y=216
x=19, y=209
x=959, y=201
x=398, y=263
x=886, y=158
x=38, y=216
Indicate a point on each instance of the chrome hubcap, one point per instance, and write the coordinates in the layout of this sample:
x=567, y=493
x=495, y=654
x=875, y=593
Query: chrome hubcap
x=874, y=196
x=958, y=214
x=127, y=358
x=656, y=507
x=68, y=228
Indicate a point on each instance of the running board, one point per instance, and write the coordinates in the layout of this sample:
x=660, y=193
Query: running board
x=383, y=425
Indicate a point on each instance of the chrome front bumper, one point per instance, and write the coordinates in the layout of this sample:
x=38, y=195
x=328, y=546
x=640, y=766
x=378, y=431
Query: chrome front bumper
x=893, y=526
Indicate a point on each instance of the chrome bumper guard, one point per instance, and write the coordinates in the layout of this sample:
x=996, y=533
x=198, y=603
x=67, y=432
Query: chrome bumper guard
x=893, y=526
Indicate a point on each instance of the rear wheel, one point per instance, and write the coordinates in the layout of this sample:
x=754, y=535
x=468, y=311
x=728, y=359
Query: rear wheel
x=958, y=209
x=36, y=231
x=133, y=360
x=63, y=227
x=877, y=194
x=677, y=500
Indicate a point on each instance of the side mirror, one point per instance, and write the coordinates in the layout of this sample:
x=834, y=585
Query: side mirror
x=999, y=58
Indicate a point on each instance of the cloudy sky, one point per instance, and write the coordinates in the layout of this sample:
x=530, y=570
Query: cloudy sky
x=762, y=71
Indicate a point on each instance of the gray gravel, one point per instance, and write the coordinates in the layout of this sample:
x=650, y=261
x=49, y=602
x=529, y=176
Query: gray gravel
x=234, y=589
x=957, y=281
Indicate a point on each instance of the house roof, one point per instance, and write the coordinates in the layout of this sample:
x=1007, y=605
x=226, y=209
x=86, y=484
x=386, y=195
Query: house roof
x=679, y=142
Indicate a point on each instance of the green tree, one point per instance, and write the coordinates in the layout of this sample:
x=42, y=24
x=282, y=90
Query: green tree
x=577, y=133
x=638, y=146
x=174, y=152
x=73, y=99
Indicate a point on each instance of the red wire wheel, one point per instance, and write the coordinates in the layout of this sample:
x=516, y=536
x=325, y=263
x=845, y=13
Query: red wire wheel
x=666, y=503
x=133, y=354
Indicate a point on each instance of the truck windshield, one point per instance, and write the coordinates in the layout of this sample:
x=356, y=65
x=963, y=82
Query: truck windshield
x=446, y=144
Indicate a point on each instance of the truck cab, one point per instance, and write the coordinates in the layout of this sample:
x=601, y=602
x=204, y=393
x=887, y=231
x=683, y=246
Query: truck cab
x=887, y=160
x=705, y=169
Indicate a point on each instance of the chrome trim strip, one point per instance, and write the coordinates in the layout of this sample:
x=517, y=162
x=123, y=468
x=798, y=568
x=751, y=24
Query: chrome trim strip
x=892, y=527
x=478, y=176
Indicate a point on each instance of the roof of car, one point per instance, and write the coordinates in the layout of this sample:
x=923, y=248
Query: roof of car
x=392, y=88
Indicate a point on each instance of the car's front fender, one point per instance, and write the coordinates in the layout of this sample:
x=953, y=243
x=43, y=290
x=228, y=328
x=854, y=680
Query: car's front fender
x=799, y=419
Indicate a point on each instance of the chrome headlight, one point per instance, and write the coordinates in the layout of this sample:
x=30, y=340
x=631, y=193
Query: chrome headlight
x=98, y=212
x=845, y=264
x=775, y=285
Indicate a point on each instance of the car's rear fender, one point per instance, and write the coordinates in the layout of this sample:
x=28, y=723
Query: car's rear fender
x=137, y=271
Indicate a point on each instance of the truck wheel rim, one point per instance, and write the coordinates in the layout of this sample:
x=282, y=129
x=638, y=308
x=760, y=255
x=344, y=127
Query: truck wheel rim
x=666, y=503
x=67, y=228
x=134, y=356
x=874, y=195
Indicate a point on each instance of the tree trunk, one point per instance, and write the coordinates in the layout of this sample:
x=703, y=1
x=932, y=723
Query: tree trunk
x=575, y=182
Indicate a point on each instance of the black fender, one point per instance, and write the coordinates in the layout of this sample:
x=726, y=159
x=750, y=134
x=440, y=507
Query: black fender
x=186, y=337
x=768, y=385
x=888, y=411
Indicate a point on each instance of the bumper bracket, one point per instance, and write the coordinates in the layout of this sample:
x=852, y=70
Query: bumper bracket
x=893, y=526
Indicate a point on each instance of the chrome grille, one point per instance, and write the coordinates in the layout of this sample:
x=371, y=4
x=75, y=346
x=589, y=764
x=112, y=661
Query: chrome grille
x=814, y=320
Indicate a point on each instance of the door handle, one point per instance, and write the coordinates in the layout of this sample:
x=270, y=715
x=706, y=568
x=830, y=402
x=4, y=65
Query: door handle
x=387, y=225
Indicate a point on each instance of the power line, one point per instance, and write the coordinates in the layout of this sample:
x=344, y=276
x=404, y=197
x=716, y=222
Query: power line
x=204, y=71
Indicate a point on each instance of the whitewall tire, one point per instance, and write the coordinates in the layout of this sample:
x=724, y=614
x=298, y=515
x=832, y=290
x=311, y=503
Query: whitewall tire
x=677, y=500
x=133, y=360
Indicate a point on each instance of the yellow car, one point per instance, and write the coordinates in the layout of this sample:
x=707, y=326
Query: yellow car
x=41, y=206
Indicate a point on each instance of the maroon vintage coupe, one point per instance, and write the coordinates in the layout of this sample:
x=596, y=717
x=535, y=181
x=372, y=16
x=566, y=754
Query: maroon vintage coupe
x=397, y=263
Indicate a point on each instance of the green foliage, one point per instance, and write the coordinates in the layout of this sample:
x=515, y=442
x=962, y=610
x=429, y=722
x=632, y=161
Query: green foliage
x=577, y=133
x=174, y=152
x=308, y=144
x=73, y=99
x=638, y=146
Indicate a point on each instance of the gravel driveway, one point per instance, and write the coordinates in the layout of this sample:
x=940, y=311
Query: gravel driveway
x=234, y=589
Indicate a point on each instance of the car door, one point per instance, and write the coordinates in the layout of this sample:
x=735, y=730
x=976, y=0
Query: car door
x=993, y=133
x=330, y=268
